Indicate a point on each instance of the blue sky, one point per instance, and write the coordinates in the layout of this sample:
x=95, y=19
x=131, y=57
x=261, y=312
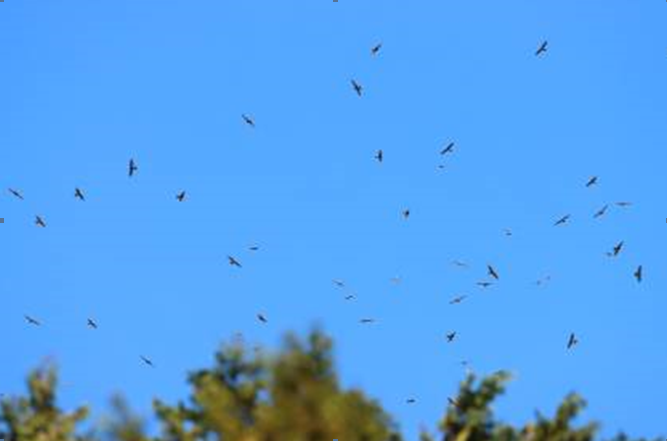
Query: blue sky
x=88, y=85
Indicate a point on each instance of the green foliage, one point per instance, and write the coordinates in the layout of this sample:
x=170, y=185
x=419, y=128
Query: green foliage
x=294, y=396
x=36, y=417
x=471, y=418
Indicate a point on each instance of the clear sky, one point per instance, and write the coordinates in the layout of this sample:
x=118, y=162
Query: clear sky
x=85, y=86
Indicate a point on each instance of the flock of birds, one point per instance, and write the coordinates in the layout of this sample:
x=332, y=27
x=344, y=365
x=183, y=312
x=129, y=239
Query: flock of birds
x=492, y=273
x=448, y=149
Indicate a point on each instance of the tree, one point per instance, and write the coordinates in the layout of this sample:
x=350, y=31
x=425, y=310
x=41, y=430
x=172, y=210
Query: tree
x=36, y=417
x=294, y=396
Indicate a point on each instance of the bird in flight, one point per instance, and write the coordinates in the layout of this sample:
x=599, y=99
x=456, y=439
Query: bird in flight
x=375, y=49
x=452, y=402
x=339, y=283
x=79, y=194
x=349, y=297
x=448, y=149
x=233, y=261
x=379, y=155
x=572, y=341
x=367, y=320
x=92, y=324
x=262, y=318
x=492, y=272
x=253, y=248
x=357, y=87
x=16, y=193
x=507, y=232
x=592, y=181
x=248, y=120
x=132, y=168
x=406, y=213
x=410, y=401
x=601, y=211
x=457, y=300
x=617, y=249
x=40, y=222
x=562, y=220
x=459, y=264
x=543, y=280
x=638, y=273
x=147, y=361
x=542, y=49
x=450, y=336
x=180, y=197
x=31, y=320
x=484, y=284
x=624, y=204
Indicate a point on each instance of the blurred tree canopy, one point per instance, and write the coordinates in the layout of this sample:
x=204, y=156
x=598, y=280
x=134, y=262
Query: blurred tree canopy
x=293, y=396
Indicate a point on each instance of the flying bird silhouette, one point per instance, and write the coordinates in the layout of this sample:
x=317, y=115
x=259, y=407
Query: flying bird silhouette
x=638, y=273
x=452, y=402
x=507, y=232
x=132, y=168
x=147, y=361
x=601, y=211
x=410, y=401
x=562, y=220
x=406, y=213
x=180, y=197
x=40, y=222
x=459, y=264
x=375, y=49
x=592, y=181
x=233, y=261
x=339, y=283
x=357, y=87
x=617, y=249
x=253, y=248
x=262, y=318
x=572, y=341
x=248, y=120
x=543, y=280
x=448, y=149
x=624, y=204
x=79, y=194
x=457, y=300
x=492, y=272
x=379, y=155
x=16, y=193
x=451, y=336
x=367, y=320
x=92, y=324
x=349, y=297
x=484, y=284
x=542, y=49
x=32, y=321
